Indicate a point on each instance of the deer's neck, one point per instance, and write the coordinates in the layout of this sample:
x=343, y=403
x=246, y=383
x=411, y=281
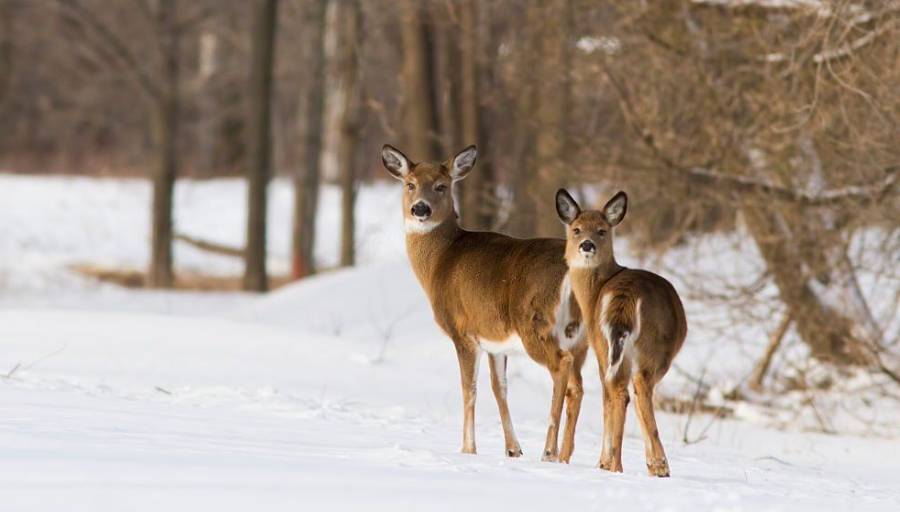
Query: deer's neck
x=425, y=249
x=587, y=283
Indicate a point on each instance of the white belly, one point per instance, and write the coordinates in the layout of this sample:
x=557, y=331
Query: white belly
x=510, y=345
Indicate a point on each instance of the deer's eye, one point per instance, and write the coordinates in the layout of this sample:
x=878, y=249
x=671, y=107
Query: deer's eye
x=576, y=231
x=601, y=233
x=441, y=188
x=410, y=186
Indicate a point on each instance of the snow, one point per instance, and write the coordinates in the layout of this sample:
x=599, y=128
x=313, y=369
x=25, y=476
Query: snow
x=609, y=45
x=336, y=393
x=816, y=5
x=110, y=219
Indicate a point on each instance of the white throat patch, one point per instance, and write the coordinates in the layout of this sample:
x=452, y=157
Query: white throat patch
x=582, y=261
x=418, y=227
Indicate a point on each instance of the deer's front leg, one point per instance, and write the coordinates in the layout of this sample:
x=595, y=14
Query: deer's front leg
x=468, y=354
x=498, y=384
x=574, y=394
x=559, y=367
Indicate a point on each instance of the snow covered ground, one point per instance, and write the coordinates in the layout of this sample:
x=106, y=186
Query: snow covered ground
x=337, y=392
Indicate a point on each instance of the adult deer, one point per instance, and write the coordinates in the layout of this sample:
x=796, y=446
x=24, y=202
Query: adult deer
x=490, y=292
x=635, y=322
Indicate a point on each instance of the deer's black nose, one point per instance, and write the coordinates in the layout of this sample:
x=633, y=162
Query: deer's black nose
x=587, y=246
x=421, y=210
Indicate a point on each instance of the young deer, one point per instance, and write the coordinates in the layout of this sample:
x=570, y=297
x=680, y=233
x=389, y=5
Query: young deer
x=493, y=293
x=635, y=322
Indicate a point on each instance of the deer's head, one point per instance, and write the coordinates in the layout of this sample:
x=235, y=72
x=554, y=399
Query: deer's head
x=589, y=234
x=427, y=186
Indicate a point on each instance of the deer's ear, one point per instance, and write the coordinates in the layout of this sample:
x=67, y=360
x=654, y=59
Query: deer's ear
x=615, y=209
x=463, y=163
x=395, y=161
x=566, y=206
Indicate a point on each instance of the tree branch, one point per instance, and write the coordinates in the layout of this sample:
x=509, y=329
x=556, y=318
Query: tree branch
x=202, y=14
x=213, y=247
x=847, y=49
x=83, y=16
x=741, y=185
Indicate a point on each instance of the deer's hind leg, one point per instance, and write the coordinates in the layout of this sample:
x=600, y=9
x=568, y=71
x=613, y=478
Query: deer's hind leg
x=574, y=394
x=657, y=464
x=615, y=403
x=498, y=384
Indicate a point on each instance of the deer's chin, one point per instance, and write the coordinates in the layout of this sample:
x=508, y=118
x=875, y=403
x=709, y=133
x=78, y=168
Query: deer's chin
x=583, y=260
x=416, y=226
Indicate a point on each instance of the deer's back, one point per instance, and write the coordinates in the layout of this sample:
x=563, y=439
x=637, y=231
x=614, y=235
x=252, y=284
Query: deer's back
x=490, y=285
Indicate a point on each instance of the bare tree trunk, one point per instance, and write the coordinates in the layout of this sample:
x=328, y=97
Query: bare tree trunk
x=523, y=219
x=826, y=331
x=306, y=184
x=419, y=116
x=166, y=126
x=762, y=366
x=333, y=114
x=348, y=69
x=552, y=111
x=542, y=117
x=260, y=143
x=6, y=47
x=808, y=263
x=446, y=81
x=477, y=197
x=208, y=70
x=230, y=120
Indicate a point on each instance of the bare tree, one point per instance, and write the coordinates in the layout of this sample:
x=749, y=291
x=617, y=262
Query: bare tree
x=552, y=110
x=446, y=81
x=6, y=47
x=260, y=143
x=796, y=119
x=521, y=94
x=306, y=183
x=419, y=111
x=349, y=26
x=457, y=39
x=161, y=273
x=160, y=87
x=476, y=75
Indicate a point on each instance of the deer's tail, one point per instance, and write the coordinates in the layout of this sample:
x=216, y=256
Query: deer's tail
x=620, y=322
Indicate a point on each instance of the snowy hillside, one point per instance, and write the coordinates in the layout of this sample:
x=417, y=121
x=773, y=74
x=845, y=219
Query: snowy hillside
x=337, y=392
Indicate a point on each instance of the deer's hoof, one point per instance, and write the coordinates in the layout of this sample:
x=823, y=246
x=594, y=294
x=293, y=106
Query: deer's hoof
x=659, y=467
x=610, y=465
x=566, y=454
x=468, y=450
x=549, y=456
x=514, y=453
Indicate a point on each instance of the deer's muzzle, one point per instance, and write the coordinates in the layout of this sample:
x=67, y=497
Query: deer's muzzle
x=420, y=210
